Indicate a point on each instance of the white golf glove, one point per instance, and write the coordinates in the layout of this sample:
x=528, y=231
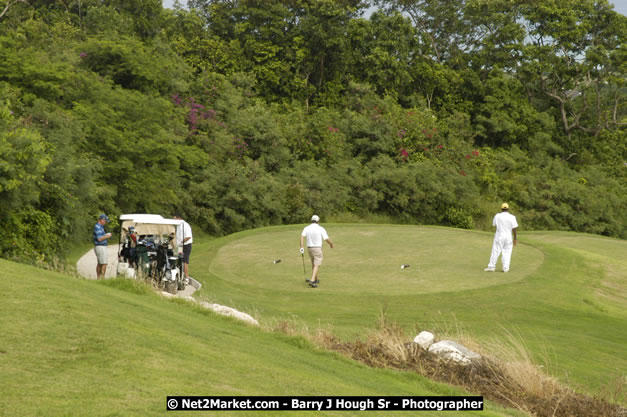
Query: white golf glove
x=302, y=250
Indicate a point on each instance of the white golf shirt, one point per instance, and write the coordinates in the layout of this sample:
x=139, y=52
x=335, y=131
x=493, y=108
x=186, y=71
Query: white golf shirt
x=184, y=231
x=315, y=235
x=504, y=222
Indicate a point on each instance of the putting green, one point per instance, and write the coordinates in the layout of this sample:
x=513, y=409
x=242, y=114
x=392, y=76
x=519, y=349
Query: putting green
x=367, y=259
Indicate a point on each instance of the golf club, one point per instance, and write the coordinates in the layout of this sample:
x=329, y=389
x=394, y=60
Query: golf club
x=302, y=255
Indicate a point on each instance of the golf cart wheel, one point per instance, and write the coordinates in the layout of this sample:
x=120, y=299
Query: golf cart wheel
x=180, y=284
x=171, y=287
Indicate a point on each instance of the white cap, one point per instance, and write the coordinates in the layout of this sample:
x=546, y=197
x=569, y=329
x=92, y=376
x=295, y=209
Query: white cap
x=315, y=218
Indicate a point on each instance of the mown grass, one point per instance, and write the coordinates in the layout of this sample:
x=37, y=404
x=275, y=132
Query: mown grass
x=74, y=347
x=564, y=295
x=367, y=261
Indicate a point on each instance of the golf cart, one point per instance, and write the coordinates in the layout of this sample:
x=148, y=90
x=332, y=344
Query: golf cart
x=149, y=250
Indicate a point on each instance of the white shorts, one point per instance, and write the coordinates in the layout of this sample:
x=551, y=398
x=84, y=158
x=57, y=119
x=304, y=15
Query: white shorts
x=101, y=254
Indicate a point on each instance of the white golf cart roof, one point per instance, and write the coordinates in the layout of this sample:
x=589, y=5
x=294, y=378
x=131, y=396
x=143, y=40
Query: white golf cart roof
x=142, y=218
x=148, y=224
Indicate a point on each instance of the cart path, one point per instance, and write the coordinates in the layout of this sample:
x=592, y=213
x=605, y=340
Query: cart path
x=86, y=267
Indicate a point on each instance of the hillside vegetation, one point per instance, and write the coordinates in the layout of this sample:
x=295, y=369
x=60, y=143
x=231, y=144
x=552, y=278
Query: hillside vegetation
x=244, y=114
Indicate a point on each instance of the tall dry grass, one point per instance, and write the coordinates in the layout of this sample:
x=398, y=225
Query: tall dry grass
x=506, y=373
x=511, y=354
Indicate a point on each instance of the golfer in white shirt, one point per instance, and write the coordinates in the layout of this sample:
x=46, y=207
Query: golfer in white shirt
x=314, y=235
x=506, y=226
x=184, y=240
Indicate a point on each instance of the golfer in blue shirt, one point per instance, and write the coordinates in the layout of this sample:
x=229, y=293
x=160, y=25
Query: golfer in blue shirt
x=100, y=245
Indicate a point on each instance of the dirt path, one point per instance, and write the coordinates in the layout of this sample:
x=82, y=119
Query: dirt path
x=86, y=267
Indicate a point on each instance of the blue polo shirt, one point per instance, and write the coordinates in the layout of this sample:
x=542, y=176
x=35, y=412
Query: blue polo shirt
x=99, y=232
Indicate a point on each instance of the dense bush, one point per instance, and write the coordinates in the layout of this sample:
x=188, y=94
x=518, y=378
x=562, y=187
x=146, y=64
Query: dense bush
x=242, y=116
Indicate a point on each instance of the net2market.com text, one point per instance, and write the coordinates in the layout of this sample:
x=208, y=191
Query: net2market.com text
x=335, y=403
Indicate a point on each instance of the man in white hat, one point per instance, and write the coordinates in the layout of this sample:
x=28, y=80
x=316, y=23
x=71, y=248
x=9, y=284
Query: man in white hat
x=314, y=235
x=506, y=226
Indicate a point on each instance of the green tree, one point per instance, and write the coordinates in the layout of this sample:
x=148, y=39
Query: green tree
x=27, y=232
x=132, y=64
x=253, y=37
x=574, y=59
x=23, y=160
x=441, y=24
x=505, y=116
x=496, y=36
x=386, y=47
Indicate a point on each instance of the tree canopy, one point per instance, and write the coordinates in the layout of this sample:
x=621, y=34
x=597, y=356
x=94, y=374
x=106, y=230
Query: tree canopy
x=245, y=113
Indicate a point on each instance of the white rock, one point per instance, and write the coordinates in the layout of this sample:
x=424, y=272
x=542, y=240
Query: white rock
x=230, y=312
x=424, y=339
x=454, y=351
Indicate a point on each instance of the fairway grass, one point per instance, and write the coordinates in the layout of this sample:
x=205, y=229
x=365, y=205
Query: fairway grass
x=74, y=347
x=564, y=296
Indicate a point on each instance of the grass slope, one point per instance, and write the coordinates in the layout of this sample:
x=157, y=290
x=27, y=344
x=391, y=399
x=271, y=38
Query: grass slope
x=565, y=295
x=72, y=347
